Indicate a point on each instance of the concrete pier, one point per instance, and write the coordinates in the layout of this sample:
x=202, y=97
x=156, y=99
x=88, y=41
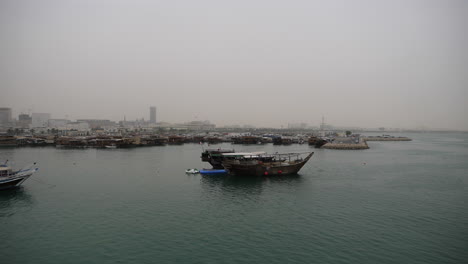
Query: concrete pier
x=361, y=145
x=387, y=139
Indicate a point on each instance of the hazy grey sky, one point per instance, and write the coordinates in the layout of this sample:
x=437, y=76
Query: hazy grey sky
x=370, y=63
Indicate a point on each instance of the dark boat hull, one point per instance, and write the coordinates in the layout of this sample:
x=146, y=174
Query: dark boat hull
x=12, y=182
x=213, y=171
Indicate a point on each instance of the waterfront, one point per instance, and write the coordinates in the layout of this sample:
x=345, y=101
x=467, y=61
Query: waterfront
x=397, y=202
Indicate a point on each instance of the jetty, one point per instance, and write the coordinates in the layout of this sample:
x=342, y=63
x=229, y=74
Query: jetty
x=359, y=142
x=386, y=138
x=347, y=144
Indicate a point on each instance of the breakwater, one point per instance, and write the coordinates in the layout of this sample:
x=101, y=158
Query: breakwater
x=387, y=139
x=361, y=145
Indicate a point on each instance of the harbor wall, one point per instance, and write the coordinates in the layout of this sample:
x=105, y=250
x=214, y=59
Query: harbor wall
x=387, y=139
x=361, y=145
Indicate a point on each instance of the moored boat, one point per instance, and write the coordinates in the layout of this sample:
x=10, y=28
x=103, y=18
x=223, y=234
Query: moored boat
x=8, y=141
x=10, y=179
x=247, y=140
x=316, y=141
x=274, y=164
x=192, y=171
x=215, y=157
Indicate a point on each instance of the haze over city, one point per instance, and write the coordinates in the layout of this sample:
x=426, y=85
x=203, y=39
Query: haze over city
x=264, y=63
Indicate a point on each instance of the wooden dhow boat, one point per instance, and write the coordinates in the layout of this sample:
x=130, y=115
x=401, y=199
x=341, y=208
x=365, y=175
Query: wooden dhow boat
x=266, y=164
x=10, y=179
x=215, y=157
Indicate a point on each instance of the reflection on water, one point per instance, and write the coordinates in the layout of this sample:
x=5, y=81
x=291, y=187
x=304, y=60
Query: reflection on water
x=247, y=185
x=14, y=200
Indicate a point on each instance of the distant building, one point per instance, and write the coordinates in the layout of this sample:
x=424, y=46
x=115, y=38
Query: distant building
x=97, y=123
x=153, y=114
x=232, y=126
x=40, y=120
x=200, y=125
x=78, y=126
x=24, y=121
x=58, y=123
x=164, y=125
x=24, y=117
x=139, y=123
x=297, y=125
x=5, y=115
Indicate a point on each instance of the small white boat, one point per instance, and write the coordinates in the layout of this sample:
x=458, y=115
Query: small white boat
x=192, y=171
x=11, y=179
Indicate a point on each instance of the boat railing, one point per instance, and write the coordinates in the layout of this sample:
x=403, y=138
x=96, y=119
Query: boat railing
x=275, y=157
x=29, y=169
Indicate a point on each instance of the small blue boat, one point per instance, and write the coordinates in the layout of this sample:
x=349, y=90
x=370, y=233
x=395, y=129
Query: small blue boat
x=213, y=171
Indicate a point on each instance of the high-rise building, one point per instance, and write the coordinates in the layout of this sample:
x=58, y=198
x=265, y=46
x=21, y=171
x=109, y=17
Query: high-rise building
x=5, y=115
x=24, y=117
x=24, y=120
x=153, y=114
x=40, y=119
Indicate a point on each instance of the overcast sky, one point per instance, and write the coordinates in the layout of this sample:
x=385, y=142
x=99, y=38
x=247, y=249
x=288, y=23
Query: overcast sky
x=369, y=63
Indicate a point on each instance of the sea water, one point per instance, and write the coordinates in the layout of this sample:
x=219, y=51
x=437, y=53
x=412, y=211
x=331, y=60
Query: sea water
x=398, y=202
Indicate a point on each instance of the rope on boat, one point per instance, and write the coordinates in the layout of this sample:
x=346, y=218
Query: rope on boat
x=43, y=182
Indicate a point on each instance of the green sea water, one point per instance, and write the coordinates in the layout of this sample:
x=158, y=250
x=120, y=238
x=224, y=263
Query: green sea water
x=398, y=202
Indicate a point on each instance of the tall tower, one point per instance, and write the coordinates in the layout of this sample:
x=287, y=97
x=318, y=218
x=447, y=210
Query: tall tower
x=322, y=125
x=5, y=115
x=153, y=114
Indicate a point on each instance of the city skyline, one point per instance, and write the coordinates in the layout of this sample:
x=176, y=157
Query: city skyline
x=299, y=125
